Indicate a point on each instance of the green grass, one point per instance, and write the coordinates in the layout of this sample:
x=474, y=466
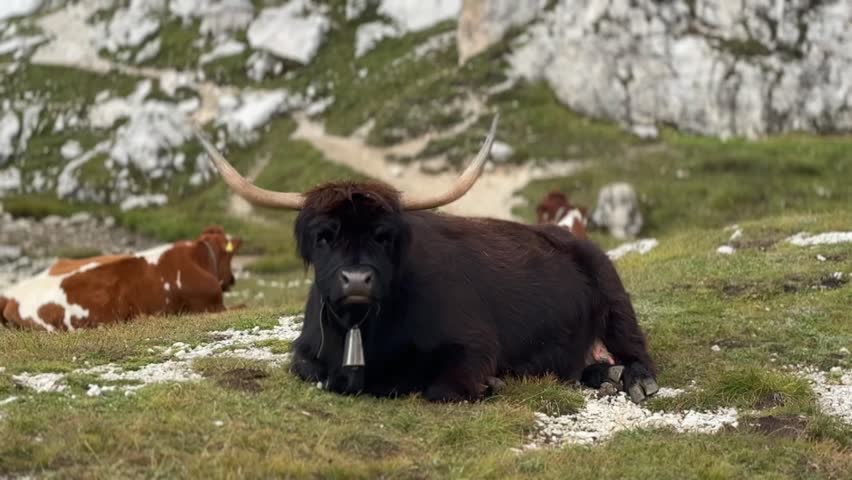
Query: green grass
x=274, y=425
x=687, y=181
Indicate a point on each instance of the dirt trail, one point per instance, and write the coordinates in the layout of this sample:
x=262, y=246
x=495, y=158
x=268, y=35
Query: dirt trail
x=492, y=196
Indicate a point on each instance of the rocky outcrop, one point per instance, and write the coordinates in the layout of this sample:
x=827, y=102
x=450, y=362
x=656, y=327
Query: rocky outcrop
x=715, y=67
x=483, y=23
x=293, y=31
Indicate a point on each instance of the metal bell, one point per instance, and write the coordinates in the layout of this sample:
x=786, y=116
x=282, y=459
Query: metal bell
x=353, y=351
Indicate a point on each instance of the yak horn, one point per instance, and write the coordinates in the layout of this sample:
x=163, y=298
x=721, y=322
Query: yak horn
x=462, y=184
x=244, y=188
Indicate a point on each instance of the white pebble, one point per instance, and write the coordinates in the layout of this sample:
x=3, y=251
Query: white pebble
x=716, y=348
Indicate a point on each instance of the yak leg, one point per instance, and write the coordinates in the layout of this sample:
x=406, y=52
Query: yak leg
x=307, y=368
x=463, y=377
x=627, y=343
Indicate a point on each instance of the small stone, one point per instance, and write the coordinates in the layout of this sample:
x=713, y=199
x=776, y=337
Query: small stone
x=715, y=348
x=725, y=250
x=821, y=258
x=844, y=351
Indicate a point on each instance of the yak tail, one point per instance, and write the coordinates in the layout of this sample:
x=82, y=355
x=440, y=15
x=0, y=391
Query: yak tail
x=620, y=330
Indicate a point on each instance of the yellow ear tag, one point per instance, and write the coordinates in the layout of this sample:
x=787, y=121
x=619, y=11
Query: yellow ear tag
x=229, y=247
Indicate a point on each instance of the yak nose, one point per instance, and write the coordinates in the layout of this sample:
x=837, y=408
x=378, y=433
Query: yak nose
x=357, y=283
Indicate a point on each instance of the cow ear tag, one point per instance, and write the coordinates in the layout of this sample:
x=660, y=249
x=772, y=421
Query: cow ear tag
x=353, y=351
x=229, y=247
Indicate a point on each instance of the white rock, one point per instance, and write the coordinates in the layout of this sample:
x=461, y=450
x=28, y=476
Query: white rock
x=416, y=15
x=222, y=50
x=617, y=209
x=149, y=51
x=294, y=31
x=29, y=122
x=354, y=8
x=217, y=17
x=10, y=126
x=834, y=394
x=830, y=238
x=71, y=149
x=10, y=180
x=18, y=8
x=501, y=151
x=725, y=250
x=252, y=110
x=143, y=201
x=41, y=382
x=67, y=183
x=97, y=390
x=483, y=23
x=128, y=27
x=21, y=46
x=641, y=247
x=370, y=34
x=602, y=418
x=715, y=348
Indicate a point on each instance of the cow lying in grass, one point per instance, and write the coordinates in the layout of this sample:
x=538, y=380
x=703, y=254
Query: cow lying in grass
x=184, y=277
x=555, y=209
x=411, y=301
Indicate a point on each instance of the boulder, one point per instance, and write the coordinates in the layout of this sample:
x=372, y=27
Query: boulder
x=483, y=23
x=617, y=210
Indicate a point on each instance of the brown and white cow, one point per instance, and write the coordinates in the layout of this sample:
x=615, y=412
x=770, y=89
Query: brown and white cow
x=555, y=209
x=183, y=277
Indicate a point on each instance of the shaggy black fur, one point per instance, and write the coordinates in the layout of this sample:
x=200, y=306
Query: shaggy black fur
x=456, y=300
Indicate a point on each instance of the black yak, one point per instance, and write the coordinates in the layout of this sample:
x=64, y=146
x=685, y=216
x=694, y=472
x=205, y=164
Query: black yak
x=406, y=300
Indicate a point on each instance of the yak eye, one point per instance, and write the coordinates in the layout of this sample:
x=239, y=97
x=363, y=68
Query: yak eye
x=324, y=237
x=383, y=237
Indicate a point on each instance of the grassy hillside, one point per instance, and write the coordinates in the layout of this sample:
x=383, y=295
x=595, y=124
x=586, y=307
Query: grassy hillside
x=767, y=306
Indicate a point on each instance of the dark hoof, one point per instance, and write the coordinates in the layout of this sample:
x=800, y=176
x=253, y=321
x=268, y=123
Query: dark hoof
x=649, y=385
x=639, y=382
x=494, y=385
x=614, y=373
x=636, y=393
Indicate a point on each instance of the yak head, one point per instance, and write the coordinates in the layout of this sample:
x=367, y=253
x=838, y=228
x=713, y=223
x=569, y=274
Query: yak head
x=353, y=233
x=354, y=236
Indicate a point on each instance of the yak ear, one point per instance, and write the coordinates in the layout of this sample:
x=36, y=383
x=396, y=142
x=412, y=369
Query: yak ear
x=304, y=242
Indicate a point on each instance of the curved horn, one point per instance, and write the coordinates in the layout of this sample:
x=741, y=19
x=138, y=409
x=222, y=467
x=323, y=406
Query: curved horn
x=244, y=188
x=461, y=185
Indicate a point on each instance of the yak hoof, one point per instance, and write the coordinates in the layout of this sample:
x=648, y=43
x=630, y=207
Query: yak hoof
x=614, y=373
x=636, y=393
x=494, y=385
x=649, y=385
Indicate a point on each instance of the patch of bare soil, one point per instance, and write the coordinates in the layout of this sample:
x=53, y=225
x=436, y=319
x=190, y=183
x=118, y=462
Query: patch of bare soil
x=779, y=426
x=244, y=379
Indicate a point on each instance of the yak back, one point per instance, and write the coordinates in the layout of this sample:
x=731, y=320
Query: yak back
x=500, y=286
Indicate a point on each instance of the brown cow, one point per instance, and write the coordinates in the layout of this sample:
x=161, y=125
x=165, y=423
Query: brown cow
x=556, y=209
x=174, y=278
